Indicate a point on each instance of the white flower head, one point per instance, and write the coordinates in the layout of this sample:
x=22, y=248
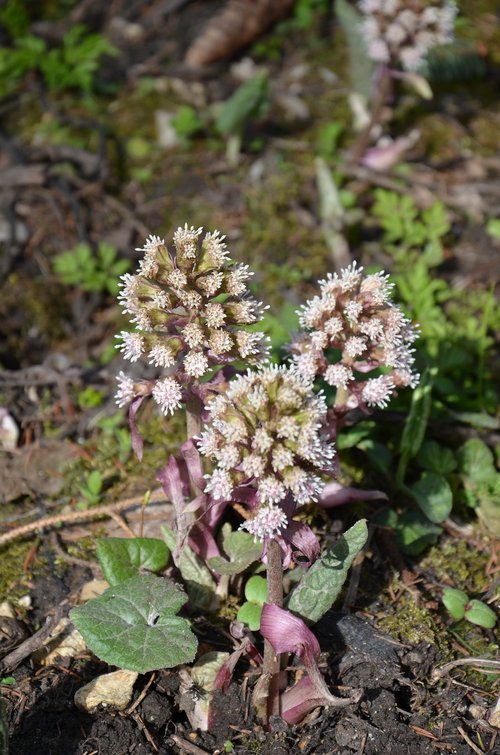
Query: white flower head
x=132, y=345
x=268, y=423
x=191, y=308
x=402, y=32
x=267, y=523
x=363, y=330
x=168, y=395
x=126, y=391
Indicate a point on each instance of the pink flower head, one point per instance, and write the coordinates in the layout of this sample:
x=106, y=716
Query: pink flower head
x=356, y=317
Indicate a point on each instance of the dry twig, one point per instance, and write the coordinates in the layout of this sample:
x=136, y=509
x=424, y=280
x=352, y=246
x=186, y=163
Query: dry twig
x=75, y=517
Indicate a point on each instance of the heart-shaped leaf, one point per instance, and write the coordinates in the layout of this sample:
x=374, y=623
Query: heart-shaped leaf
x=122, y=558
x=436, y=458
x=134, y=625
x=321, y=584
x=434, y=496
x=414, y=532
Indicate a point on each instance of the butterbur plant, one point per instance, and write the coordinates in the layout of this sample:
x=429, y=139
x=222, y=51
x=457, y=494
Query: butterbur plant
x=259, y=446
x=352, y=330
x=398, y=36
x=400, y=33
x=191, y=309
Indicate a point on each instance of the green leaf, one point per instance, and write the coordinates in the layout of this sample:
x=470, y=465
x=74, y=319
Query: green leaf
x=94, y=482
x=436, y=220
x=414, y=532
x=350, y=437
x=327, y=141
x=186, y=122
x=242, y=551
x=479, y=613
x=455, y=602
x=360, y=66
x=122, y=558
x=493, y=227
x=256, y=590
x=434, y=496
x=199, y=582
x=321, y=584
x=416, y=423
x=436, y=458
x=134, y=625
x=107, y=254
x=250, y=614
x=249, y=101
x=480, y=420
x=476, y=461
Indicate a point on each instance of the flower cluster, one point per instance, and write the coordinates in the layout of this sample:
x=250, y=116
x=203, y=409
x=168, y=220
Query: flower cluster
x=264, y=433
x=190, y=308
x=403, y=31
x=354, y=315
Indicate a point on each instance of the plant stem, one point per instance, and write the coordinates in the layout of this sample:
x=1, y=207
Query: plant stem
x=194, y=408
x=363, y=141
x=272, y=662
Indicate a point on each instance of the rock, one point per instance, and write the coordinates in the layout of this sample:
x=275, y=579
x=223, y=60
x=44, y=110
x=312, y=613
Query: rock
x=110, y=690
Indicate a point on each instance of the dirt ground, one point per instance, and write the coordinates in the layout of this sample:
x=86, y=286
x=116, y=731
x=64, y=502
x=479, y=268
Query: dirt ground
x=52, y=342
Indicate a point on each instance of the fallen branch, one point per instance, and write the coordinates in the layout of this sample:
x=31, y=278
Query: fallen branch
x=75, y=517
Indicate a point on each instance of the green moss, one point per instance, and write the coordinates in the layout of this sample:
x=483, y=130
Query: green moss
x=41, y=313
x=13, y=577
x=457, y=564
x=273, y=233
x=410, y=622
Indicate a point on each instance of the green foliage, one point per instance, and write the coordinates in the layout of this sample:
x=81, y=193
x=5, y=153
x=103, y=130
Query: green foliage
x=459, y=61
x=279, y=327
x=481, y=482
x=250, y=101
x=89, y=398
x=187, y=123
x=70, y=66
x=241, y=549
x=115, y=441
x=436, y=458
x=256, y=595
x=322, y=582
x=414, y=532
x=455, y=601
x=91, y=489
x=493, y=227
x=328, y=139
x=141, y=612
x=416, y=423
x=361, y=68
x=199, y=582
x=434, y=496
x=408, y=229
x=459, y=606
x=306, y=11
x=481, y=614
x=15, y=18
x=123, y=558
x=91, y=271
x=73, y=65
